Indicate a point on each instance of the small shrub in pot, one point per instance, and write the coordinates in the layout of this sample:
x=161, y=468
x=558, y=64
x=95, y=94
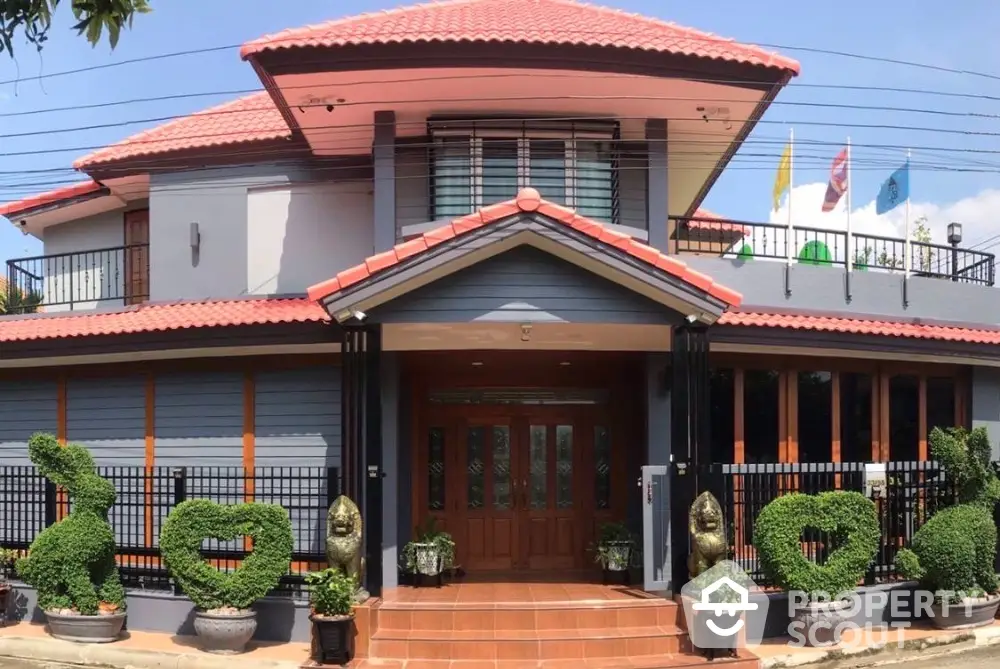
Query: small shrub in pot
x=431, y=553
x=850, y=522
x=72, y=563
x=615, y=545
x=224, y=620
x=331, y=595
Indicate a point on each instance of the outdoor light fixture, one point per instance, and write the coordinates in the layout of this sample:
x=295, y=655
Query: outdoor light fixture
x=359, y=316
x=954, y=233
x=477, y=363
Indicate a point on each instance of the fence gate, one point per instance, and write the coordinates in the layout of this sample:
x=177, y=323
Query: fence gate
x=656, y=558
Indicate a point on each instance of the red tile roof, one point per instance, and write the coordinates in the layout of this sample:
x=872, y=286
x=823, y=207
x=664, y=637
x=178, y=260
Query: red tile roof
x=527, y=200
x=248, y=119
x=519, y=22
x=717, y=223
x=161, y=318
x=52, y=197
x=859, y=326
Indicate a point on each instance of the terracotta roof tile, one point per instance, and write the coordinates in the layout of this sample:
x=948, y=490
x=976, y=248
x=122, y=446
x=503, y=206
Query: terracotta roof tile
x=706, y=220
x=859, y=326
x=161, y=318
x=527, y=200
x=252, y=118
x=52, y=197
x=520, y=22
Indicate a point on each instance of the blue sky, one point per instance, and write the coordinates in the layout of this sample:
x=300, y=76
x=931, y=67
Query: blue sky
x=931, y=33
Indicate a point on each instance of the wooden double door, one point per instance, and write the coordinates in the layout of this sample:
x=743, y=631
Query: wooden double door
x=519, y=487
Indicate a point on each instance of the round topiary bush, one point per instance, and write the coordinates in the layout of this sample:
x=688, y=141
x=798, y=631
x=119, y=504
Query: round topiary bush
x=851, y=520
x=193, y=521
x=72, y=563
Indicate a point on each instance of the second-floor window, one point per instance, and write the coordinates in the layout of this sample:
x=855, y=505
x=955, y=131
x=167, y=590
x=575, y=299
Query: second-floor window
x=475, y=170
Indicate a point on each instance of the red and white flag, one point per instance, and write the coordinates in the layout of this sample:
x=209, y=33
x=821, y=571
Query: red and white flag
x=838, y=181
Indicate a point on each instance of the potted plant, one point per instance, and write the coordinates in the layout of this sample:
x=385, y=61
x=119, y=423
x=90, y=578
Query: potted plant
x=614, y=547
x=224, y=619
x=7, y=558
x=72, y=563
x=430, y=554
x=331, y=595
x=850, y=520
x=953, y=554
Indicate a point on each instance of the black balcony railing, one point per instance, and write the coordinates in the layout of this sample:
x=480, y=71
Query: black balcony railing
x=81, y=279
x=817, y=246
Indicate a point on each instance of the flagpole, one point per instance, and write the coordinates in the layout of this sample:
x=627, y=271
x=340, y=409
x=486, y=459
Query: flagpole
x=907, y=248
x=850, y=235
x=790, y=235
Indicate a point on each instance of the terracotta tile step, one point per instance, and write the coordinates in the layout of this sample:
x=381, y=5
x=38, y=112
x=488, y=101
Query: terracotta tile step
x=528, y=619
x=528, y=635
x=524, y=649
x=520, y=605
x=635, y=662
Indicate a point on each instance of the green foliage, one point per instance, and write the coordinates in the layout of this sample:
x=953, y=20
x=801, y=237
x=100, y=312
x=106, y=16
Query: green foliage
x=18, y=302
x=331, y=592
x=850, y=518
x=72, y=563
x=610, y=537
x=430, y=534
x=193, y=521
x=34, y=18
x=955, y=550
x=965, y=457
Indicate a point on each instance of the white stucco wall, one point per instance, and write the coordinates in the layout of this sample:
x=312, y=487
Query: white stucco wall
x=82, y=277
x=298, y=235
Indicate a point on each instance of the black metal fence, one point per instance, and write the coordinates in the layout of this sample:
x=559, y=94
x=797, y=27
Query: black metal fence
x=913, y=492
x=29, y=503
x=115, y=274
x=821, y=246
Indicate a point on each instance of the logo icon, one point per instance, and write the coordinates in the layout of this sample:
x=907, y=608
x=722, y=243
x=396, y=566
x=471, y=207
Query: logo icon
x=721, y=609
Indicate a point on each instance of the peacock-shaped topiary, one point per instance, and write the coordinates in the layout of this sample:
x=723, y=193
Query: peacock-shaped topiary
x=72, y=563
x=955, y=550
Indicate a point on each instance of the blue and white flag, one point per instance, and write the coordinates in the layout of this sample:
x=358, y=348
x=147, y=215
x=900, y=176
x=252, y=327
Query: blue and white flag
x=894, y=191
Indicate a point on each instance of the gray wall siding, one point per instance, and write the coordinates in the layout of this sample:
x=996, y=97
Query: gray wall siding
x=297, y=418
x=26, y=407
x=199, y=419
x=108, y=416
x=524, y=285
x=986, y=404
x=874, y=293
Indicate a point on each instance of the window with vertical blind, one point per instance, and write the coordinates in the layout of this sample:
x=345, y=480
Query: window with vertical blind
x=478, y=163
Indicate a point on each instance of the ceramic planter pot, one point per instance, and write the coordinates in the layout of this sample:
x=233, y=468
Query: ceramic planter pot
x=818, y=621
x=225, y=633
x=85, y=629
x=333, y=637
x=967, y=615
x=428, y=559
x=618, y=554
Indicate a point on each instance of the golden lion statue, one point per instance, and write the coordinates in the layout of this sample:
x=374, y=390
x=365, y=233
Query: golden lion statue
x=345, y=541
x=708, y=534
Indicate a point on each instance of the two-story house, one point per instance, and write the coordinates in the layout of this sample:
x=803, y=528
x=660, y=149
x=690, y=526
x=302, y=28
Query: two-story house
x=455, y=251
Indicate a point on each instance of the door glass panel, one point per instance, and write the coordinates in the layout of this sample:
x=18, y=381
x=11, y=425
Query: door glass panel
x=564, y=466
x=435, y=469
x=538, y=468
x=501, y=467
x=475, y=469
x=602, y=465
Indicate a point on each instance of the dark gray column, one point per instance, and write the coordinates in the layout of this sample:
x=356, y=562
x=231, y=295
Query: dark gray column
x=384, y=159
x=657, y=409
x=391, y=469
x=986, y=404
x=656, y=183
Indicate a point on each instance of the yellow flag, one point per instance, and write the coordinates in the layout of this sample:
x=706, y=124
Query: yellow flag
x=783, y=179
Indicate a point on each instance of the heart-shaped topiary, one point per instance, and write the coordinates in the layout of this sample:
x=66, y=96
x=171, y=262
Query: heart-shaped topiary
x=193, y=521
x=851, y=520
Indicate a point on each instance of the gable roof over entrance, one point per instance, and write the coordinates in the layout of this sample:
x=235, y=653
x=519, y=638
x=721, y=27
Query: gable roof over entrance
x=526, y=220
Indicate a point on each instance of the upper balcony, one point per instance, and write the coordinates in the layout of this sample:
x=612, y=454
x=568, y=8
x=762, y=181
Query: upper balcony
x=81, y=280
x=749, y=241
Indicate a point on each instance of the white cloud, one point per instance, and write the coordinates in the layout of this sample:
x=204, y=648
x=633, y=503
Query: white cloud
x=978, y=215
